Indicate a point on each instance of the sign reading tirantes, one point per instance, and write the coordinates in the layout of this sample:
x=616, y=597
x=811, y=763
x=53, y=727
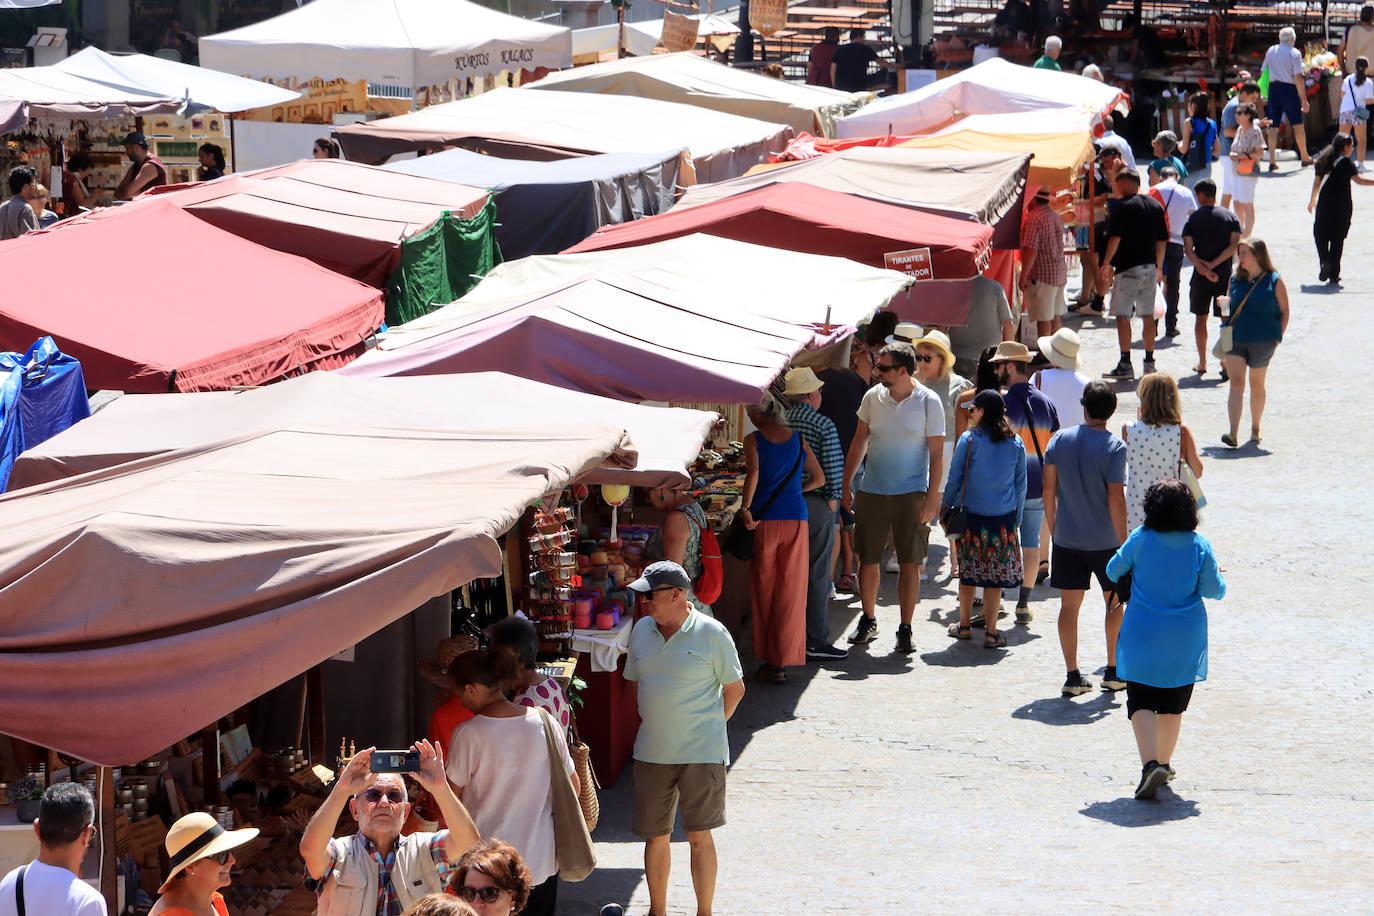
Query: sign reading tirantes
x=914, y=262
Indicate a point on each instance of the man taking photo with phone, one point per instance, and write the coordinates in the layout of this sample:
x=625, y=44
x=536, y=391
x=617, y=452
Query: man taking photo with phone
x=378, y=872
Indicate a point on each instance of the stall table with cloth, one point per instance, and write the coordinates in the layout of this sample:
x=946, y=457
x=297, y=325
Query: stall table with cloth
x=601, y=665
x=523, y=124
x=259, y=316
x=545, y=207
x=424, y=240
x=821, y=221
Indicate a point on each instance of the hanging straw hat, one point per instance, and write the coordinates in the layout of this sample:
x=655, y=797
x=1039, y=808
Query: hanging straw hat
x=435, y=670
x=199, y=836
x=1061, y=349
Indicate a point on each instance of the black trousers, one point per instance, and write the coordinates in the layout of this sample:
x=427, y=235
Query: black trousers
x=543, y=899
x=1173, y=274
x=1330, y=231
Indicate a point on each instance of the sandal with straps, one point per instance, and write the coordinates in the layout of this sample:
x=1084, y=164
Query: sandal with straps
x=994, y=640
x=957, y=632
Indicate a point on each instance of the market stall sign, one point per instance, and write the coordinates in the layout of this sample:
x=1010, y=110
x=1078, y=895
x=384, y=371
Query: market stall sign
x=679, y=32
x=914, y=262
x=768, y=16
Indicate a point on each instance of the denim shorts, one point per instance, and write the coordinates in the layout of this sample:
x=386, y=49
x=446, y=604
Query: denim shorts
x=1031, y=517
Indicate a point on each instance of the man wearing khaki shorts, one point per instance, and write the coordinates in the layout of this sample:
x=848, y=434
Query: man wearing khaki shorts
x=687, y=679
x=1043, y=270
x=901, y=433
x=1137, y=236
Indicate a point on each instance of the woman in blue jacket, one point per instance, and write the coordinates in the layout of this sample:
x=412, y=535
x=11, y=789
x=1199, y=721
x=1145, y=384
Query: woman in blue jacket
x=1162, y=649
x=987, y=478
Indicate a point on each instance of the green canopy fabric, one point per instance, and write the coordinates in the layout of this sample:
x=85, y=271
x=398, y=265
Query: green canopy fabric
x=441, y=264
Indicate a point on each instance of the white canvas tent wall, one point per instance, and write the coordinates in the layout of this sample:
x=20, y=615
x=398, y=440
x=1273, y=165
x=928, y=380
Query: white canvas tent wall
x=993, y=87
x=408, y=43
x=207, y=88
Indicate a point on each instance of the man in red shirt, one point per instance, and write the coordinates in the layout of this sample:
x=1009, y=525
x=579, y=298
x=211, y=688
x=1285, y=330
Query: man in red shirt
x=818, y=65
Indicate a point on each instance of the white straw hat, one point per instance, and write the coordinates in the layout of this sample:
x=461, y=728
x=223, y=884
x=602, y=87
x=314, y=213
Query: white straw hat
x=1061, y=349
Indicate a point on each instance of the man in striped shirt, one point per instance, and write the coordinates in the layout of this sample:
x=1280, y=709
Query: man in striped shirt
x=803, y=392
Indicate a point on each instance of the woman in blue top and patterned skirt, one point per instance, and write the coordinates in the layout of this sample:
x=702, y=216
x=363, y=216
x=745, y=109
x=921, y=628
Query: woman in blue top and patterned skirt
x=1162, y=650
x=987, y=479
x=1257, y=316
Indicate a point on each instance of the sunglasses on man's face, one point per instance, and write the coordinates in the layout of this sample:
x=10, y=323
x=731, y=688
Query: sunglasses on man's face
x=374, y=796
x=488, y=894
x=881, y=368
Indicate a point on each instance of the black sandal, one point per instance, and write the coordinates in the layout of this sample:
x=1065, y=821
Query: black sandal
x=994, y=640
x=1043, y=572
x=957, y=632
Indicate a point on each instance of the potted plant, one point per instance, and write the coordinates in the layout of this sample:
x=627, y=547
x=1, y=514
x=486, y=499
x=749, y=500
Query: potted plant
x=28, y=798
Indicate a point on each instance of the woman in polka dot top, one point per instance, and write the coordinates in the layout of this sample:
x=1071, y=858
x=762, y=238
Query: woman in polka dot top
x=537, y=690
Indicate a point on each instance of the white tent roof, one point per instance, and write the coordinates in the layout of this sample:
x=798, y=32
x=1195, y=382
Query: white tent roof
x=398, y=43
x=642, y=37
x=721, y=145
x=993, y=87
x=208, y=88
x=47, y=92
x=691, y=80
x=786, y=286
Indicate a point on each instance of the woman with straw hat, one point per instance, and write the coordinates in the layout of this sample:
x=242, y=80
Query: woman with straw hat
x=200, y=854
x=935, y=369
x=1061, y=381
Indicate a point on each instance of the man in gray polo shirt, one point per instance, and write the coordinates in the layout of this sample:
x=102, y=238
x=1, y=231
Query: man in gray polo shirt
x=687, y=680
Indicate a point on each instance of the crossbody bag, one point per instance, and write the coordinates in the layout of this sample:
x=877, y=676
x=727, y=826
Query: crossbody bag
x=1361, y=112
x=1224, y=341
x=955, y=519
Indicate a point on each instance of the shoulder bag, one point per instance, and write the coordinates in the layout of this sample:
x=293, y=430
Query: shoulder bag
x=572, y=843
x=955, y=519
x=739, y=540
x=19, y=891
x=1361, y=113
x=1185, y=474
x=1224, y=340
x=587, y=799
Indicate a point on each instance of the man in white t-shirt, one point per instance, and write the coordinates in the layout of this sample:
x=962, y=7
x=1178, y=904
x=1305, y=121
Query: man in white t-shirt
x=52, y=884
x=1062, y=383
x=1179, y=204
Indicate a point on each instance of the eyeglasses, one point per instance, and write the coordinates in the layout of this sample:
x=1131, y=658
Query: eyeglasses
x=881, y=368
x=374, y=796
x=222, y=858
x=488, y=894
x=924, y=358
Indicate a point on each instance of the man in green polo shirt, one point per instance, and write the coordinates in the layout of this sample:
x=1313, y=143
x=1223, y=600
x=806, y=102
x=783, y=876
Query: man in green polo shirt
x=687, y=679
x=1050, y=59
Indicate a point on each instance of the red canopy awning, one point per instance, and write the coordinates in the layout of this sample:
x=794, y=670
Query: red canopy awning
x=805, y=218
x=346, y=216
x=167, y=302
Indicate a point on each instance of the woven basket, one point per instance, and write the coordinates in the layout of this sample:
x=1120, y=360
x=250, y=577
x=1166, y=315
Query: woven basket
x=586, y=777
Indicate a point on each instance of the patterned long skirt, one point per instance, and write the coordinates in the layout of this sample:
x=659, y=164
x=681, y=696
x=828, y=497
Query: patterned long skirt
x=990, y=552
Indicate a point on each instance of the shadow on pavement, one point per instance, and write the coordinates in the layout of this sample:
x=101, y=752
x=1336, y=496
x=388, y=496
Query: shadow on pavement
x=969, y=653
x=1129, y=812
x=1226, y=453
x=1213, y=380
x=1064, y=711
x=1321, y=289
x=610, y=885
x=864, y=663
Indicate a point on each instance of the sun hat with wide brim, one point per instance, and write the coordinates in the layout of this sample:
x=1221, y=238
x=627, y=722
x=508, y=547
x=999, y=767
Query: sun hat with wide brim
x=1061, y=349
x=801, y=381
x=199, y=836
x=906, y=332
x=1011, y=351
x=937, y=340
x=435, y=670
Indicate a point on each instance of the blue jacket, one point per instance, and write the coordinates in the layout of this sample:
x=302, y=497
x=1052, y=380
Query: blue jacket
x=996, y=475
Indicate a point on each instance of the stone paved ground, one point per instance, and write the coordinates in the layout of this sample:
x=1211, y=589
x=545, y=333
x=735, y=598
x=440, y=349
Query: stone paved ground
x=958, y=777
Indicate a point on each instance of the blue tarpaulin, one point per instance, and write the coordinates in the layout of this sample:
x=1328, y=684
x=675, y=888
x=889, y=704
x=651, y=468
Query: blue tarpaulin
x=42, y=392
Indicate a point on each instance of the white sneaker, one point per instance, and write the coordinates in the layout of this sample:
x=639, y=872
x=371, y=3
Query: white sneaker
x=893, y=566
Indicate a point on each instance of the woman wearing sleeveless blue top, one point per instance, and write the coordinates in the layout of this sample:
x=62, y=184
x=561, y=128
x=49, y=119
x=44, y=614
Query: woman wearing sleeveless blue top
x=1258, y=317
x=779, y=468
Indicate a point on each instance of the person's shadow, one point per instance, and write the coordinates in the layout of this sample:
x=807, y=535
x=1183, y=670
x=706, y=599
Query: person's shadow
x=1129, y=811
x=1321, y=289
x=1064, y=711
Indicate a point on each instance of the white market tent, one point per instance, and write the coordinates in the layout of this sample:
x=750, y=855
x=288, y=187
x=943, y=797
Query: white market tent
x=47, y=92
x=691, y=80
x=642, y=37
x=407, y=43
x=525, y=124
x=995, y=86
x=210, y=89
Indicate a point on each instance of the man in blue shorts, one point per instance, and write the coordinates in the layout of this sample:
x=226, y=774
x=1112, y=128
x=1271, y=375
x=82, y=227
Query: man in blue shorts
x=1287, y=94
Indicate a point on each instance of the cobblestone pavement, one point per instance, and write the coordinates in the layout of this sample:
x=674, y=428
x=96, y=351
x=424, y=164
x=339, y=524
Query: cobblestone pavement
x=958, y=777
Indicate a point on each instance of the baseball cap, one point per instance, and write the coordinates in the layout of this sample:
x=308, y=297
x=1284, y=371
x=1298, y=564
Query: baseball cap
x=136, y=139
x=663, y=574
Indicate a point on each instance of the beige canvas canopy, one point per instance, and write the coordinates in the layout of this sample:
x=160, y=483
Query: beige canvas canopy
x=130, y=428
x=693, y=80
x=140, y=603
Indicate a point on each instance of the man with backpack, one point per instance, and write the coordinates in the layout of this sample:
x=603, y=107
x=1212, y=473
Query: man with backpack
x=803, y=390
x=51, y=885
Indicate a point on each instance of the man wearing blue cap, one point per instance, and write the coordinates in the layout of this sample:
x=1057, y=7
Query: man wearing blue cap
x=687, y=679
